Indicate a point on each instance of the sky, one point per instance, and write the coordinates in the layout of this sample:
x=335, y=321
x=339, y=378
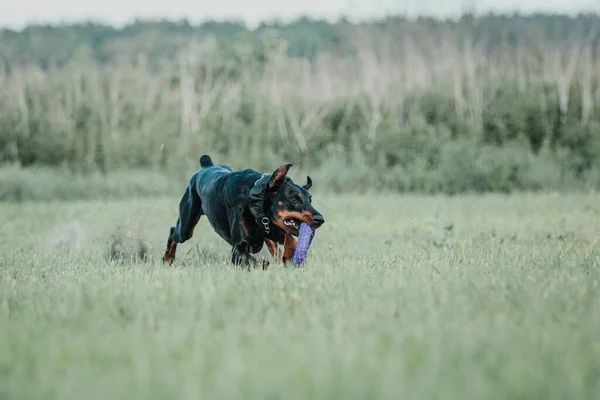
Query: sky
x=15, y=14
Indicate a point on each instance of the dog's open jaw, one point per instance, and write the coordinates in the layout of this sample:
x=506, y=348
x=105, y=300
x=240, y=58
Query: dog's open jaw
x=292, y=222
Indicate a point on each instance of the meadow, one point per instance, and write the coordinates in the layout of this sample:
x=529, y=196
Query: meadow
x=424, y=297
x=455, y=162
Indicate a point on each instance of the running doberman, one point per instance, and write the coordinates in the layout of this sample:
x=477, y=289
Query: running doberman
x=247, y=209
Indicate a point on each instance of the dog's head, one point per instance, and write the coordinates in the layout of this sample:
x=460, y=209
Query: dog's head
x=291, y=204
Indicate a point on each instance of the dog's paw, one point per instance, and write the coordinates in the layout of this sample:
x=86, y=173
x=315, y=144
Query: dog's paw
x=261, y=263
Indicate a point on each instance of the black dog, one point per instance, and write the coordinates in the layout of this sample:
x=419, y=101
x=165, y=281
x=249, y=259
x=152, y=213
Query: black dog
x=246, y=209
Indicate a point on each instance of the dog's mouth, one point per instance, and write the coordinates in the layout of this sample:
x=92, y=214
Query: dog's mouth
x=292, y=223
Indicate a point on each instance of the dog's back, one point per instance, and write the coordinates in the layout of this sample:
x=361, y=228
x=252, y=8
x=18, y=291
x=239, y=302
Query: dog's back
x=208, y=176
x=218, y=180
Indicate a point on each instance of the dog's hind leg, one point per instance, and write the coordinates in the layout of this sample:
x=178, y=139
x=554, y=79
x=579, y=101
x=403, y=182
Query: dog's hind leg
x=190, y=211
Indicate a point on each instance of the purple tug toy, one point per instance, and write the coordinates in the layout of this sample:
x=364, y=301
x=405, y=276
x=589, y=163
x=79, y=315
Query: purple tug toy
x=305, y=237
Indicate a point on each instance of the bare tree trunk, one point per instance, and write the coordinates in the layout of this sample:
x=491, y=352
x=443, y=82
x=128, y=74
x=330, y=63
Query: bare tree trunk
x=187, y=97
x=564, y=75
x=474, y=95
x=296, y=129
x=20, y=88
x=586, y=84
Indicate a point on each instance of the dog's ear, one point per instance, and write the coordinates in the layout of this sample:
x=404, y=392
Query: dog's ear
x=278, y=177
x=308, y=183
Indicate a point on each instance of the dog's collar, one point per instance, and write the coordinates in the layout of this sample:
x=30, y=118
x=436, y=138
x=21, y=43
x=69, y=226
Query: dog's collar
x=262, y=176
x=266, y=224
x=264, y=220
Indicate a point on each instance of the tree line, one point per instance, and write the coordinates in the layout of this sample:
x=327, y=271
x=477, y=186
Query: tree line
x=491, y=103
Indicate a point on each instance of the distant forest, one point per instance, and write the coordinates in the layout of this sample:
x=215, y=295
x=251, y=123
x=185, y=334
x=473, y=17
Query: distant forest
x=482, y=103
x=54, y=45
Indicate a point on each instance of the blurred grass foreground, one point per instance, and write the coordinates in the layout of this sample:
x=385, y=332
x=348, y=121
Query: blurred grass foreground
x=482, y=104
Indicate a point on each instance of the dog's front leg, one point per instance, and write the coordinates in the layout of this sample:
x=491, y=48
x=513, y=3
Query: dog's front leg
x=241, y=256
x=242, y=234
x=275, y=252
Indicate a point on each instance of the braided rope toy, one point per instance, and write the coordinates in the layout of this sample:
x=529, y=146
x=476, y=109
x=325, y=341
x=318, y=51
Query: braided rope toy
x=305, y=237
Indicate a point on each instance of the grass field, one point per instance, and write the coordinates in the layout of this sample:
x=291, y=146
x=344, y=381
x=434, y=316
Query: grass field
x=402, y=297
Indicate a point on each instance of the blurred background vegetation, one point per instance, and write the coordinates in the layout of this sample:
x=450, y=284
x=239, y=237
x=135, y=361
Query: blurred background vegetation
x=483, y=104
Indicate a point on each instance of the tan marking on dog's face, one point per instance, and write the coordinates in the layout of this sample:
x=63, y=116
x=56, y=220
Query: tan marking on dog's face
x=279, y=220
x=305, y=216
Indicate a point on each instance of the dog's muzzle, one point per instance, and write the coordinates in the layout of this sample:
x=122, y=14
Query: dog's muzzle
x=318, y=220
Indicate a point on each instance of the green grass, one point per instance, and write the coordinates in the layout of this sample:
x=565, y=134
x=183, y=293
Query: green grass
x=402, y=297
x=43, y=184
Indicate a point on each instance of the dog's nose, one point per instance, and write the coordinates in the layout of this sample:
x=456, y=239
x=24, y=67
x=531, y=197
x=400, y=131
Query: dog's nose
x=318, y=220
